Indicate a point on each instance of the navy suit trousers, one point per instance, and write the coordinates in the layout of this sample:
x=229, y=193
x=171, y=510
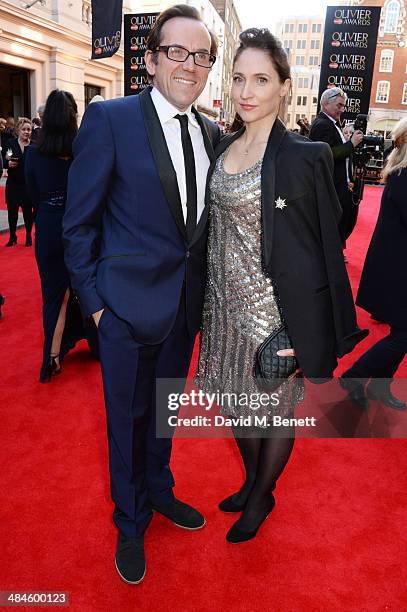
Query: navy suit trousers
x=140, y=474
x=383, y=358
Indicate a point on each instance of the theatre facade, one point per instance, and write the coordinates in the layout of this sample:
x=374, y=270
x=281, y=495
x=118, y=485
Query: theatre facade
x=48, y=46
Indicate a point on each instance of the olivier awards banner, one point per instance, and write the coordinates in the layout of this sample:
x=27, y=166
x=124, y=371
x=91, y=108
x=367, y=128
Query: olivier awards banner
x=106, y=27
x=348, y=55
x=136, y=30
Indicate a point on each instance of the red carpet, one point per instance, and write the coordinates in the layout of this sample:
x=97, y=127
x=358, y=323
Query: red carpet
x=336, y=540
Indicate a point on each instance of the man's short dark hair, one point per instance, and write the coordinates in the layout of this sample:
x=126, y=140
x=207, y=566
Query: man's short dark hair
x=179, y=10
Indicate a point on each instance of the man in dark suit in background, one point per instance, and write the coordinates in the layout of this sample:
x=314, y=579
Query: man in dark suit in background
x=326, y=128
x=135, y=236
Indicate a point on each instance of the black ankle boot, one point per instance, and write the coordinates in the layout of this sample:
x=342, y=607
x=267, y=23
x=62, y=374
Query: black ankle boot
x=12, y=241
x=356, y=391
x=380, y=392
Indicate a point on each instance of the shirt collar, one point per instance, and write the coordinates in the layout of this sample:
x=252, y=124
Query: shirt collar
x=166, y=111
x=329, y=117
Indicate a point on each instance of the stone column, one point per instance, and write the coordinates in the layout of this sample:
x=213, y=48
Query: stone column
x=67, y=72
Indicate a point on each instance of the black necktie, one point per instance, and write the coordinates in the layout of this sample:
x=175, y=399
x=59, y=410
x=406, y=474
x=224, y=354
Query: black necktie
x=190, y=175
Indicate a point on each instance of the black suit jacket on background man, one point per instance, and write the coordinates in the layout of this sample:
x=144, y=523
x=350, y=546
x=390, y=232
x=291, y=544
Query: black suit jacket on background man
x=323, y=129
x=302, y=249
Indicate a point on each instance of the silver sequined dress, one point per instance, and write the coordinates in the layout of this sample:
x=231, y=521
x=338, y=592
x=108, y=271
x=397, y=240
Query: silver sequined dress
x=240, y=310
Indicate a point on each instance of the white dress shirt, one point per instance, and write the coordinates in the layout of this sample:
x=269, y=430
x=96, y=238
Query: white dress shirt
x=348, y=173
x=172, y=132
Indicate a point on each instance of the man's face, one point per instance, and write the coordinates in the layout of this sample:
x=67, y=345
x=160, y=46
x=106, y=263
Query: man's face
x=334, y=107
x=2, y=125
x=180, y=83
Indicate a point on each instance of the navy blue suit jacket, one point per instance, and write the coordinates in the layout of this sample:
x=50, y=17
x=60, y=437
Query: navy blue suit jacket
x=124, y=233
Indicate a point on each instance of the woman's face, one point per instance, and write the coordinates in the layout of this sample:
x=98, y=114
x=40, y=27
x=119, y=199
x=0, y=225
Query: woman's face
x=24, y=132
x=256, y=87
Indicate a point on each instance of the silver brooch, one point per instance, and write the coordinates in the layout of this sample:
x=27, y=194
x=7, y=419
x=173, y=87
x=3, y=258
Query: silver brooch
x=280, y=203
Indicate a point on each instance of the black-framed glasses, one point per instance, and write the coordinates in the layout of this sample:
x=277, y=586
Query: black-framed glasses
x=176, y=53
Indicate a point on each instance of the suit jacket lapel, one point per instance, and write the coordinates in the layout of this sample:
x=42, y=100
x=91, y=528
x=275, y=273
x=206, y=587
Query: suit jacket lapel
x=268, y=187
x=205, y=134
x=332, y=125
x=162, y=159
x=211, y=154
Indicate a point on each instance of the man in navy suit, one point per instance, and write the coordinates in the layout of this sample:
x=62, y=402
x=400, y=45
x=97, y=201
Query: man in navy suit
x=135, y=238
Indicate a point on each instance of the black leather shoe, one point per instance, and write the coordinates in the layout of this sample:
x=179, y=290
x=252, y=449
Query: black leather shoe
x=182, y=515
x=236, y=534
x=130, y=560
x=356, y=392
x=228, y=505
x=385, y=397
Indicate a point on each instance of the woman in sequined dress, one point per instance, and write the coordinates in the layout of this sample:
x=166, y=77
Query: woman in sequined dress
x=273, y=215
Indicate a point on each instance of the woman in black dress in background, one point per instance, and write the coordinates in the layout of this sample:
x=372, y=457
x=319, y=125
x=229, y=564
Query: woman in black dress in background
x=16, y=193
x=46, y=170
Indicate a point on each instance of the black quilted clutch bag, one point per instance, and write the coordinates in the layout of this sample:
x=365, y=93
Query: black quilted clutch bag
x=270, y=368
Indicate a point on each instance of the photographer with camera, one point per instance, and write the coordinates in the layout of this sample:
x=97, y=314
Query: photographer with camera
x=326, y=128
x=304, y=126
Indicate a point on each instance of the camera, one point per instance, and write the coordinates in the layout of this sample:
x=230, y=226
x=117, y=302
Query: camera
x=370, y=143
x=368, y=158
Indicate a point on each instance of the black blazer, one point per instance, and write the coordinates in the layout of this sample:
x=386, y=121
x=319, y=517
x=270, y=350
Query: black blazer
x=302, y=250
x=383, y=285
x=324, y=130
